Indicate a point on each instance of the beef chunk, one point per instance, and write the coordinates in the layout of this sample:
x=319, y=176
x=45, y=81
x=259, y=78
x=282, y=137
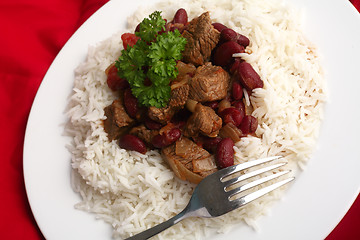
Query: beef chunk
x=143, y=133
x=210, y=83
x=188, y=160
x=117, y=120
x=201, y=38
x=201, y=159
x=179, y=95
x=181, y=170
x=161, y=115
x=204, y=120
x=189, y=150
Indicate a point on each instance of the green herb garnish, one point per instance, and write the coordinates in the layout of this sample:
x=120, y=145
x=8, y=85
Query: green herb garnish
x=153, y=57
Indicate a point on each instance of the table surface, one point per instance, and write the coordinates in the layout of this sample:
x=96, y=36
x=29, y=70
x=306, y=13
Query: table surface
x=32, y=33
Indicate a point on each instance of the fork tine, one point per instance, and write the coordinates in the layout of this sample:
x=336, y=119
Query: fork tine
x=259, y=193
x=255, y=183
x=252, y=174
x=233, y=169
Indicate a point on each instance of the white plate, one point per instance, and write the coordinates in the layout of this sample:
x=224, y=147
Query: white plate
x=318, y=199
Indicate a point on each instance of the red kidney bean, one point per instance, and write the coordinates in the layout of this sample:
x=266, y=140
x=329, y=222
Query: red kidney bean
x=213, y=104
x=232, y=115
x=223, y=54
x=248, y=77
x=228, y=34
x=219, y=26
x=131, y=103
x=239, y=105
x=181, y=16
x=167, y=138
x=151, y=124
x=133, y=143
x=248, y=124
x=173, y=135
x=225, y=153
x=235, y=65
x=113, y=80
x=237, y=91
x=210, y=144
x=242, y=40
x=159, y=141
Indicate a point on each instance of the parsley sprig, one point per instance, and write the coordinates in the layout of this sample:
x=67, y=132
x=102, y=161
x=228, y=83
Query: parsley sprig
x=153, y=57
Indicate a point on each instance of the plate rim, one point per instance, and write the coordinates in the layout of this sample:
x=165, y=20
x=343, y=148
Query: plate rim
x=39, y=95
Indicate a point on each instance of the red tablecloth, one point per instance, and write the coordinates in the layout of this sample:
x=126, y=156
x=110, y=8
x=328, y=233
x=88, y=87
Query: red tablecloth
x=31, y=35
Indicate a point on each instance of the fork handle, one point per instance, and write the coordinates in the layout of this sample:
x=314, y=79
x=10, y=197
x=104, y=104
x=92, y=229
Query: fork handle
x=158, y=228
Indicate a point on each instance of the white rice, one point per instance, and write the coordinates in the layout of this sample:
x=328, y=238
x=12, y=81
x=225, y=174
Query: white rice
x=132, y=191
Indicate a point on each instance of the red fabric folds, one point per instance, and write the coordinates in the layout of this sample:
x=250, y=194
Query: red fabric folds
x=356, y=4
x=32, y=33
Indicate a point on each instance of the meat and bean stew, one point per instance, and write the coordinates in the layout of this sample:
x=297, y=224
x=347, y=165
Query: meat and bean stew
x=205, y=111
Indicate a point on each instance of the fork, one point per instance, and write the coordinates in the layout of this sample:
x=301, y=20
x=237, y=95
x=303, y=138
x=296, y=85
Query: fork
x=212, y=197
